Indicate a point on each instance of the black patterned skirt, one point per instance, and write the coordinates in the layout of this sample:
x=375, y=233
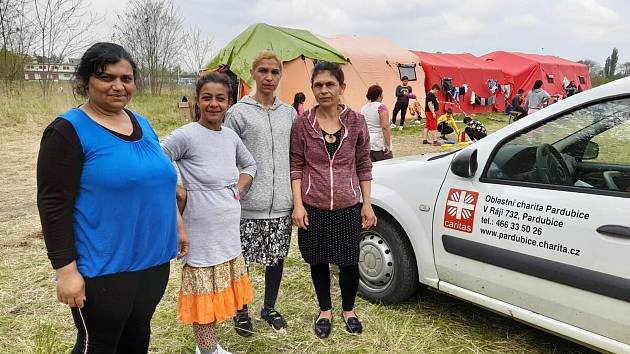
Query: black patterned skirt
x=333, y=236
x=265, y=241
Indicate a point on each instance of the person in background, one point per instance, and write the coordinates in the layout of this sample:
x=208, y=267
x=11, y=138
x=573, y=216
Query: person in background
x=298, y=102
x=517, y=104
x=106, y=200
x=430, y=110
x=403, y=93
x=474, y=129
x=571, y=89
x=376, y=117
x=330, y=171
x=447, y=125
x=537, y=97
x=264, y=124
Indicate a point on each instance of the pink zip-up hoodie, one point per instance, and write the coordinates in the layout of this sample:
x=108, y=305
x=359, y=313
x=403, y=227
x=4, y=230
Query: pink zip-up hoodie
x=331, y=183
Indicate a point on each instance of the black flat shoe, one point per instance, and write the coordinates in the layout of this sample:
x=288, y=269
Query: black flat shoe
x=353, y=325
x=322, y=327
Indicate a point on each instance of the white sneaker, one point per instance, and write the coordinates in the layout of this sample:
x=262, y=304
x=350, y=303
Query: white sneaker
x=219, y=350
x=400, y=128
x=392, y=126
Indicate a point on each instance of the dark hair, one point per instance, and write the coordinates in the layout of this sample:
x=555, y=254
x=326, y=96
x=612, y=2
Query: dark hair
x=94, y=61
x=333, y=68
x=374, y=92
x=435, y=87
x=520, y=91
x=538, y=84
x=467, y=119
x=449, y=110
x=211, y=77
x=404, y=78
x=299, y=97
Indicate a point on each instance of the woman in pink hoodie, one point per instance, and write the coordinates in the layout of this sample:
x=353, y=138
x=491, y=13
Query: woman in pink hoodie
x=330, y=171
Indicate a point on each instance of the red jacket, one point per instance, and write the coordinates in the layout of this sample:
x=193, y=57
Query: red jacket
x=331, y=183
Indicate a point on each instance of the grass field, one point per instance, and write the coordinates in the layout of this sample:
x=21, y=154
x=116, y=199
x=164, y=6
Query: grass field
x=31, y=321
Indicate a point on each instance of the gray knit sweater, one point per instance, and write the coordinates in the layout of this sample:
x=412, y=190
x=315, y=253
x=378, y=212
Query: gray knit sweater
x=266, y=133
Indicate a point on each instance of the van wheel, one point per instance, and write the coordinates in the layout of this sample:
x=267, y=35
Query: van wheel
x=387, y=264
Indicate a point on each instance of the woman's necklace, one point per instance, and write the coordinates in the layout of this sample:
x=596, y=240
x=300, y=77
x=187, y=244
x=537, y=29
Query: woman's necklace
x=330, y=138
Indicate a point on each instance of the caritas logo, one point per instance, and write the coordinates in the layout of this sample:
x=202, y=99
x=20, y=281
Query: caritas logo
x=459, y=213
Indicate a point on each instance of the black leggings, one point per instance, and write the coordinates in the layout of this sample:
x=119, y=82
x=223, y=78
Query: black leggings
x=273, y=276
x=402, y=108
x=348, y=282
x=117, y=314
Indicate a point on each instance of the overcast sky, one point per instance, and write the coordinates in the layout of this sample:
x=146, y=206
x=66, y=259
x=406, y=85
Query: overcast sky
x=573, y=29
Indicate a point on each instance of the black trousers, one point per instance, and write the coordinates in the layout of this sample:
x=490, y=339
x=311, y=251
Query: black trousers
x=473, y=134
x=117, y=314
x=444, y=128
x=402, y=108
x=348, y=282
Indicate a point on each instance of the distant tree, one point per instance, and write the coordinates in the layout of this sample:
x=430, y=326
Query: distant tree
x=198, y=50
x=17, y=39
x=152, y=30
x=611, y=64
x=62, y=29
x=593, y=67
x=625, y=69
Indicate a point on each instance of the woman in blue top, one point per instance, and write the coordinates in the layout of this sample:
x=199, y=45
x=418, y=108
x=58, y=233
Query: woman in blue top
x=106, y=199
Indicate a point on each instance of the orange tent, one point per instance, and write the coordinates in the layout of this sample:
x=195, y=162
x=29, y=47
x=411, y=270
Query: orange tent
x=373, y=60
x=368, y=61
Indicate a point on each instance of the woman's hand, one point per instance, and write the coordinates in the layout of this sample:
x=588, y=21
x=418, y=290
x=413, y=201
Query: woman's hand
x=300, y=216
x=368, y=218
x=183, y=244
x=70, y=286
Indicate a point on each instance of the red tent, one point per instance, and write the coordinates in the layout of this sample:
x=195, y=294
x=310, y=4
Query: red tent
x=462, y=69
x=524, y=69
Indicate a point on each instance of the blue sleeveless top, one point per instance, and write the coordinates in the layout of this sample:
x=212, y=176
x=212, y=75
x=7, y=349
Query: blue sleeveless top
x=124, y=212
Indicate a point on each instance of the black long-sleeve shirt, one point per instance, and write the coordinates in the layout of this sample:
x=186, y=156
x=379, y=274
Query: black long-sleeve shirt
x=59, y=167
x=401, y=93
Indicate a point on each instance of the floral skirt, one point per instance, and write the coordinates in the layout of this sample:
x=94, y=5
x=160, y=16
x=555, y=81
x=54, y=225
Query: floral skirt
x=265, y=241
x=213, y=294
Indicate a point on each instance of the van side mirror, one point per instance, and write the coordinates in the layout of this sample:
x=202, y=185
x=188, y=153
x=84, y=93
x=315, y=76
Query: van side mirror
x=591, y=151
x=464, y=164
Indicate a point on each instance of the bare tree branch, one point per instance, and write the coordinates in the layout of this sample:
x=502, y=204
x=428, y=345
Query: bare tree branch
x=152, y=30
x=63, y=29
x=198, y=50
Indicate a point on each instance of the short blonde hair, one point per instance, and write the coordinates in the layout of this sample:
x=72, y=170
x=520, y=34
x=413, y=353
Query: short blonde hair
x=264, y=56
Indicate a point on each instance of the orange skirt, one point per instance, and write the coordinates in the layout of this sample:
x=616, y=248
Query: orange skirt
x=213, y=294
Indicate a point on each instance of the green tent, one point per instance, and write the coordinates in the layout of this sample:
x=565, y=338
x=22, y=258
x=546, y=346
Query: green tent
x=286, y=43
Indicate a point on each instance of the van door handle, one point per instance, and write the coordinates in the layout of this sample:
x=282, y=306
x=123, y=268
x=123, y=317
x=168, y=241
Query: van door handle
x=614, y=231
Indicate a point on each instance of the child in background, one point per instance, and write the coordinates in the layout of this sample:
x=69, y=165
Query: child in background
x=216, y=167
x=298, y=102
x=447, y=125
x=475, y=129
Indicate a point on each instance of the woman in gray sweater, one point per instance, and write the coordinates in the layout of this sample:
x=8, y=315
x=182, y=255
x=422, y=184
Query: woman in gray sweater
x=264, y=124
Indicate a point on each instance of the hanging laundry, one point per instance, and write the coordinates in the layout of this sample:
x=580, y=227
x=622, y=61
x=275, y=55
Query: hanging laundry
x=462, y=90
x=491, y=100
x=465, y=86
x=455, y=93
x=492, y=86
x=508, y=90
x=447, y=86
x=472, y=98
